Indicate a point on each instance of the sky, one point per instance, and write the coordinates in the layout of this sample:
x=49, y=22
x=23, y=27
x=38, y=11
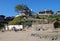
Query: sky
x=7, y=7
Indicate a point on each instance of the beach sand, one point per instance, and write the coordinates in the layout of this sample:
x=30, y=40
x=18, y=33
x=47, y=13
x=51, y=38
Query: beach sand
x=19, y=36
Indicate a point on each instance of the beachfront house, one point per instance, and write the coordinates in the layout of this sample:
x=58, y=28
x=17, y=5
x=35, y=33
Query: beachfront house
x=11, y=27
x=46, y=12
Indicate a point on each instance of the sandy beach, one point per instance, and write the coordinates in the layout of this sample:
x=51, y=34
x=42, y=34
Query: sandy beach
x=20, y=36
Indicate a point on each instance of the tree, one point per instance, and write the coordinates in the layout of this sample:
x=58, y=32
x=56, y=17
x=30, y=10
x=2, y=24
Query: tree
x=1, y=25
x=2, y=21
x=56, y=23
x=26, y=23
x=21, y=8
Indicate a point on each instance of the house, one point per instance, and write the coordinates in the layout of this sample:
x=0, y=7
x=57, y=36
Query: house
x=58, y=12
x=46, y=12
x=11, y=27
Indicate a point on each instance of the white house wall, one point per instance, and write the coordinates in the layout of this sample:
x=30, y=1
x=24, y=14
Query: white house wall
x=16, y=26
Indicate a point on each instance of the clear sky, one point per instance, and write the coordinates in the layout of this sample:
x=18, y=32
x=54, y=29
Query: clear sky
x=7, y=7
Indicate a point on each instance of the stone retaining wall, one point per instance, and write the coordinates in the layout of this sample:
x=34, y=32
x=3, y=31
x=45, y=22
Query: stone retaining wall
x=43, y=27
